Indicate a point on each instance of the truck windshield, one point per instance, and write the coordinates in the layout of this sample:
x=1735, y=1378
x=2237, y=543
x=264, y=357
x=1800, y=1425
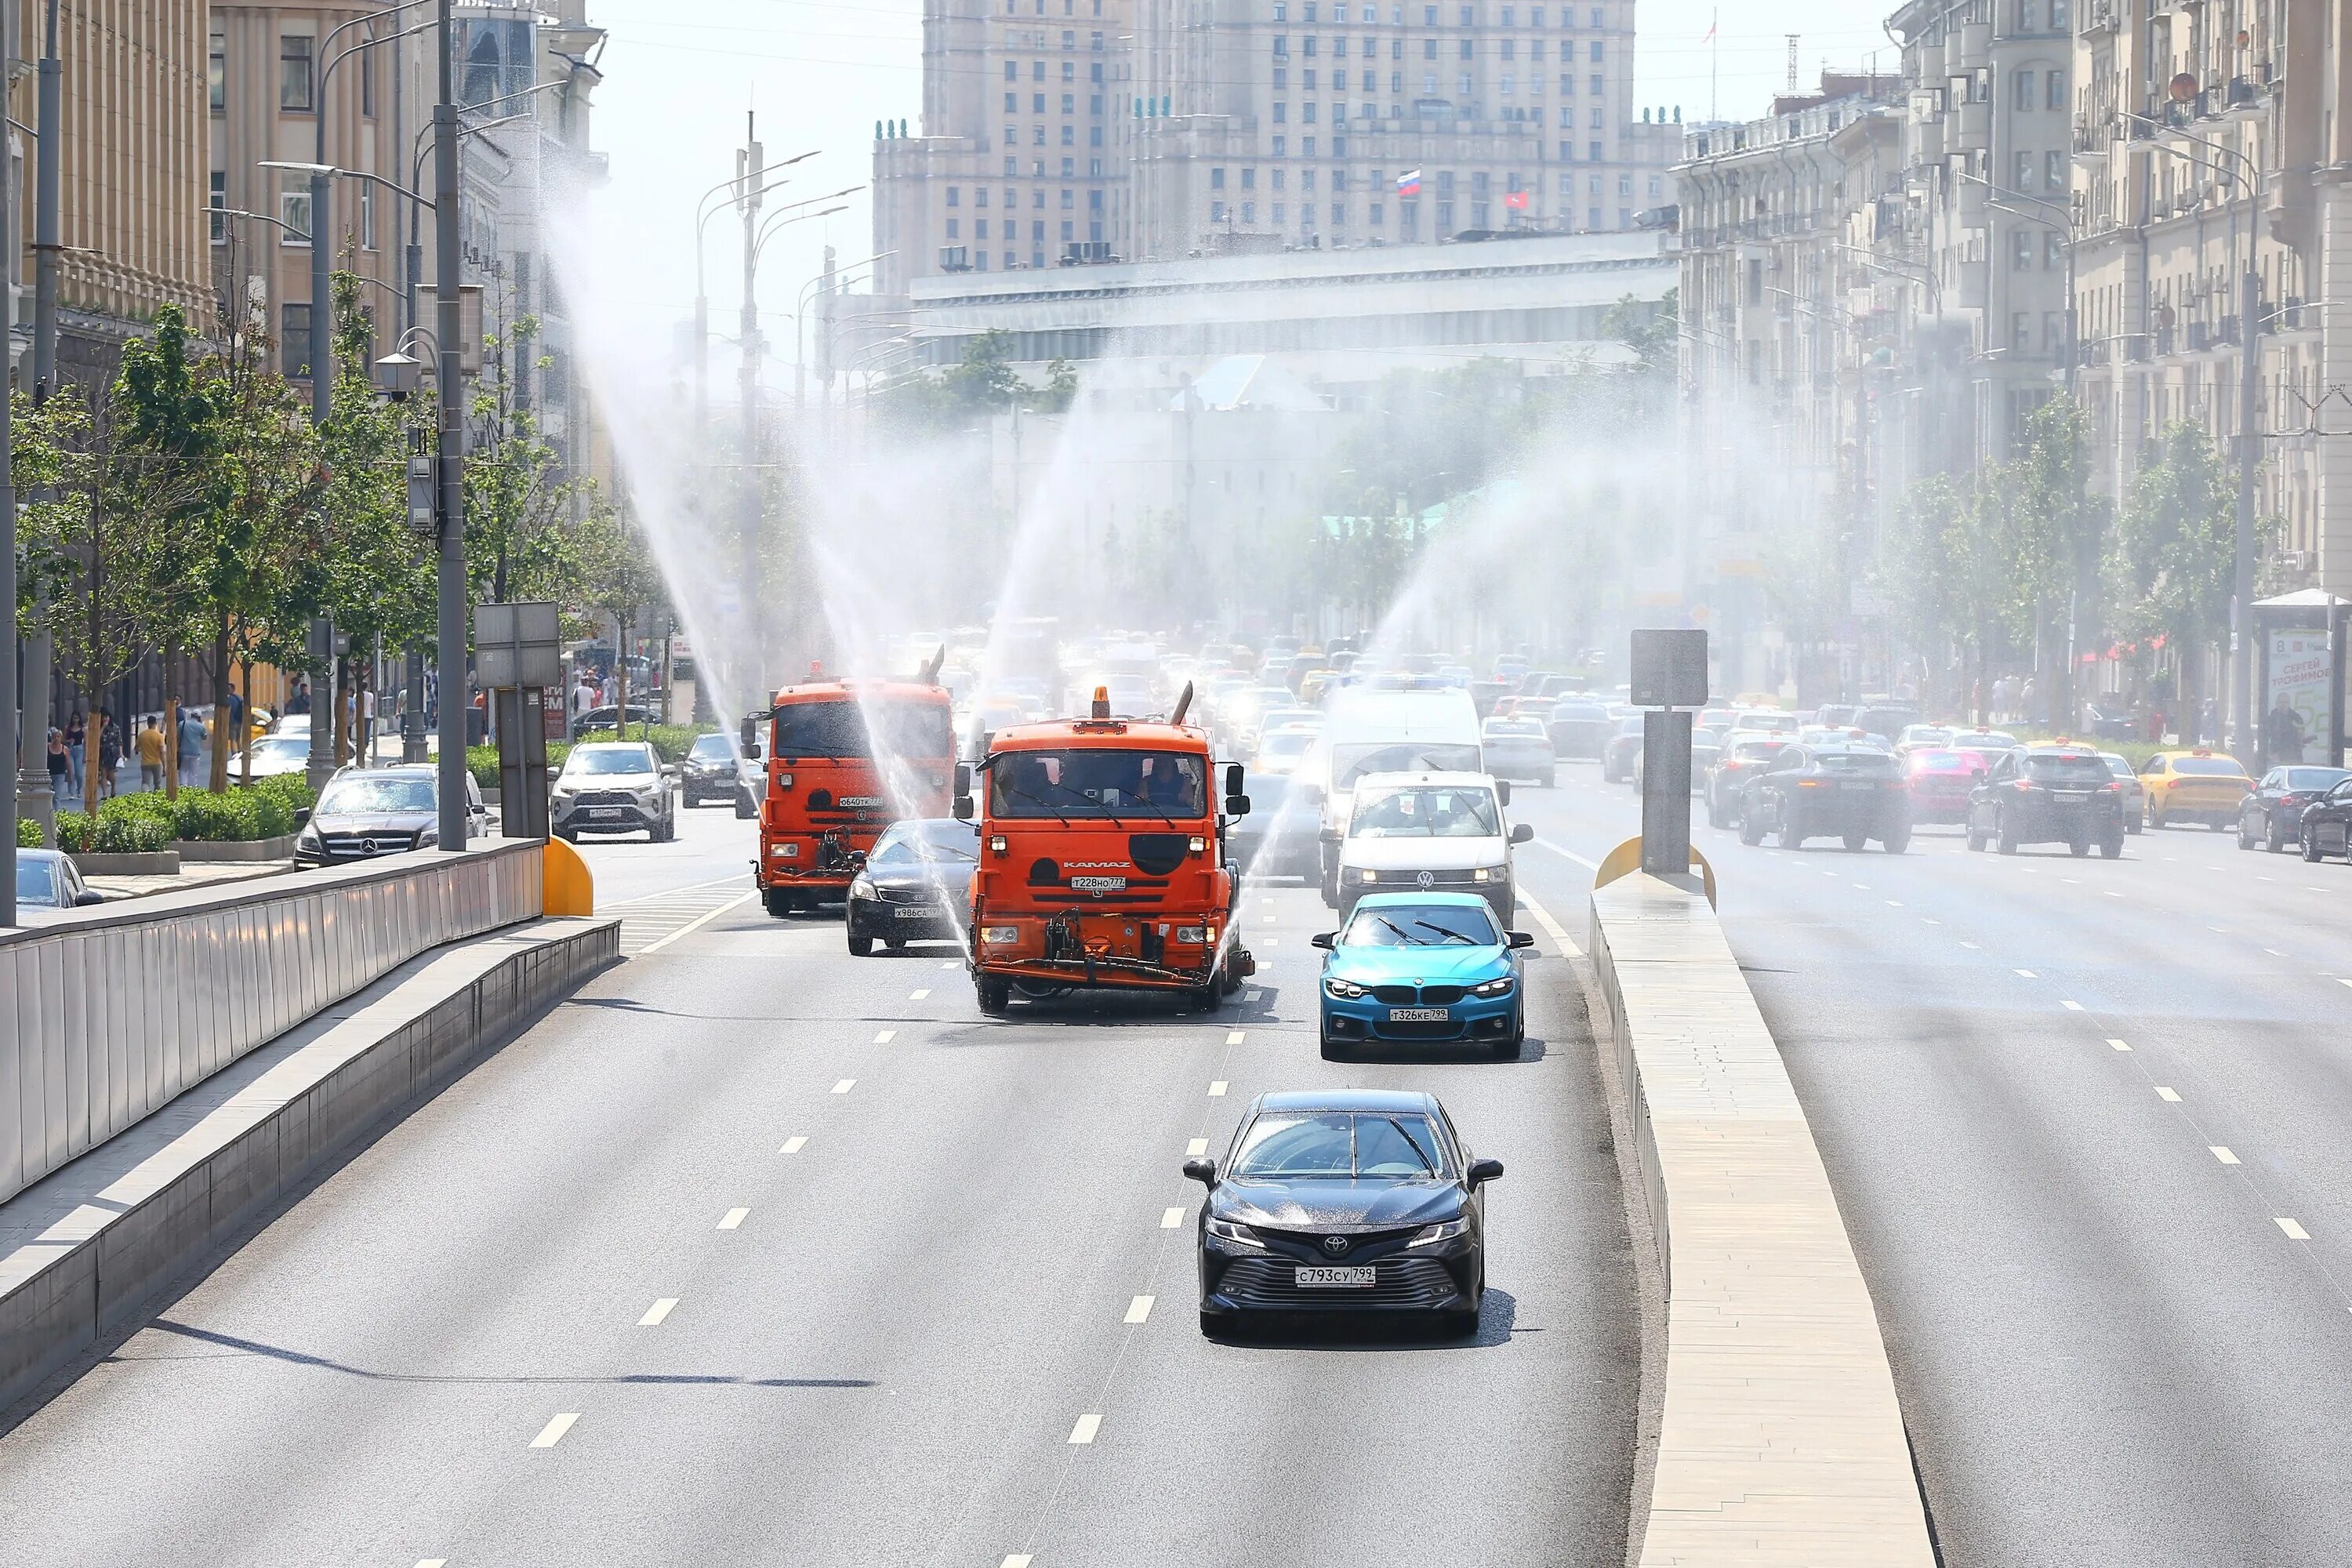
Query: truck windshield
x=840, y=729
x=1098, y=782
x=1350, y=762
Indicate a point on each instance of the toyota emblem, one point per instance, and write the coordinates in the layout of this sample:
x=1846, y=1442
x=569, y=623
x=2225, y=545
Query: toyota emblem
x=1426, y=879
x=367, y=846
x=1334, y=1245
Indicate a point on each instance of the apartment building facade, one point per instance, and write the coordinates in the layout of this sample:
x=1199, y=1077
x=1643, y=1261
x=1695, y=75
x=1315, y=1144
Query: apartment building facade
x=1255, y=125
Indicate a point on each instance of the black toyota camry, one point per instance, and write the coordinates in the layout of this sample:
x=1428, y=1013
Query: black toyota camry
x=915, y=885
x=1350, y=1201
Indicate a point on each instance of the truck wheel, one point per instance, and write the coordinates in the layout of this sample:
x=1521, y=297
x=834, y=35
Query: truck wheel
x=995, y=994
x=779, y=901
x=1856, y=842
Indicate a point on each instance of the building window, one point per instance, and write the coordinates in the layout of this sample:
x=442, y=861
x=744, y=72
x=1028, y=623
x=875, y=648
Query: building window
x=294, y=341
x=979, y=227
x=1281, y=145
x=1445, y=216
x=2022, y=180
x=1465, y=50
x=216, y=73
x=1249, y=212
x=2053, y=251
x=1598, y=85
x=1011, y=103
x=1069, y=230
x=2053, y=171
x=1377, y=216
x=1592, y=217
x=1306, y=146
x=2022, y=94
x=1069, y=103
x=953, y=226
x=2057, y=89
x=1282, y=115
x=1216, y=212
x=2020, y=332
x=367, y=216
x=293, y=207
x=2021, y=251
x=1593, y=151
x=294, y=89
x=220, y=201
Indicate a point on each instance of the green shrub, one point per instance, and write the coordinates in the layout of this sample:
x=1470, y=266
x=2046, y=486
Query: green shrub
x=290, y=790
x=482, y=761
x=130, y=832
x=670, y=741
x=74, y=830
x=28, y=834
x=201, y=817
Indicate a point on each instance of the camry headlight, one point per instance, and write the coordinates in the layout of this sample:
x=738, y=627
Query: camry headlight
x=1501, y=987
x=1430, y=1235
x=1235, y=1235
x=1346, y=990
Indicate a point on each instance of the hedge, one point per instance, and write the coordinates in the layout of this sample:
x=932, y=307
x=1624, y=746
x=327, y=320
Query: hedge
x=669, y=741
x=28, y=834
x=150, y=821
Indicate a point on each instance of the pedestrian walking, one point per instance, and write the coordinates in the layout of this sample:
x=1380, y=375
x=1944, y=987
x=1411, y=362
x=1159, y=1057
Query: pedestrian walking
x=148, y=745
x=301, y=701
x=76, y=737
x=110, y=754
x=61, y=770
x=192, y=748
x=367, y=726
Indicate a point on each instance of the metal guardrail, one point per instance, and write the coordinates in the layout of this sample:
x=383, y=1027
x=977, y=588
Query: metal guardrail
x=109, y=1013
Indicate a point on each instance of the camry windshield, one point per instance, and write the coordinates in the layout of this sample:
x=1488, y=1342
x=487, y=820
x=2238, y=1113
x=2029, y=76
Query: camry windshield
x=1427, y=811
x=271, y=747
x=845, y=729
x=1421, y=925
x=611, y=760
x=1349, y=763
x=350, y=798
x=1098, y=782
x=1340, y=1145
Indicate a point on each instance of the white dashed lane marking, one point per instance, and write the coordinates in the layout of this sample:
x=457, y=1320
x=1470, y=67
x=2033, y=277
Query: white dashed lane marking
x=1139, y=1308
x=1232, y=1036
x=2120, y=1045
x=1552, y=927
x=2171, y=1096
x=1088, y=1424
x=657, y=1313
x=1217, y=1090
x=1196, y=1148
x=845, y=1086
x=793, y=1146
x=1171, y=1219
x=918, y=994
x=552, y=1433
x=2221, y=1152
x=2293, y=1231
x=734, y=1219
x=2072, y=1007
x=885, y=1037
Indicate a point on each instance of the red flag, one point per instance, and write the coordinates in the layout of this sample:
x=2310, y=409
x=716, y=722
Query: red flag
x=1516, y=200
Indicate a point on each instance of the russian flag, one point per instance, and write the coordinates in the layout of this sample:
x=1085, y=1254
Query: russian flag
x=1409, y=183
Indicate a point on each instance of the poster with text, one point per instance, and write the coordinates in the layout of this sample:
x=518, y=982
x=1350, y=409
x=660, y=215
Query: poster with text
x=2298, y=672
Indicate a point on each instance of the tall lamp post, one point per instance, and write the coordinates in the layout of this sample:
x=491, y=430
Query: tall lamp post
x=35, y=677
x=450, y=471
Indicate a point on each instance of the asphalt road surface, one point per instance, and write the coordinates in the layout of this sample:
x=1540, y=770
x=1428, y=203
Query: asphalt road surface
x=758, y=1253
x=2114, y=1280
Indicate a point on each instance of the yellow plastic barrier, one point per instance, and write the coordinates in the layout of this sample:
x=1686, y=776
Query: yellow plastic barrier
x=1627, y=856
x=568, y=889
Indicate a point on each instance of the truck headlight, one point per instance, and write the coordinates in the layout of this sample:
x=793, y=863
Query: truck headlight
x=1195, y=934
x=1197, y=844
x=999, y=936
x=786, y=852
x=1345, y=990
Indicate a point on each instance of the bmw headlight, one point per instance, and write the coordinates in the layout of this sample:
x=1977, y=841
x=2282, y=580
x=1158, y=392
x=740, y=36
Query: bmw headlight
x=1431, y=1234
x=1345, y=990
x=1235, y=1235
x=1500, y=987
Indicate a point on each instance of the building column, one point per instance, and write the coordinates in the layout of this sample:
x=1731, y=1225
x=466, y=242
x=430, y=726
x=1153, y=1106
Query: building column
x=2332, y=522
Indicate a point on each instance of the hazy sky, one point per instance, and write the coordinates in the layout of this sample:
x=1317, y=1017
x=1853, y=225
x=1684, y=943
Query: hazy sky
x=679, y=77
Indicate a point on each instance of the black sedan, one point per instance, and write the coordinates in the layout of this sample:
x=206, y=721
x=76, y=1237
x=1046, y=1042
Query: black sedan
x=2047, y=794
x=710, y=772
x=609, y=717
x=2326, y=827
x=1852, y=793
x=1578, y=729
x=1349, y=1201
x=1625, y=744
x=915, y=885
x=2272, y=816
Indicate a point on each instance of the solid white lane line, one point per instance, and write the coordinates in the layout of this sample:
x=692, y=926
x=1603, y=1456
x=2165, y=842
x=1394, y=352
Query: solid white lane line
x=1088, y=1424
x=2072, y=1007
x=845, y=1086
x=793, y=1146
x=1139, y=1308
x=2293, y=1231
x=734, y=1219
x=1552, y=927
x=552, y=1433
x=694, y=925
x=1171, y=1219
x=1569, y=854
x=2171, y=1096
x=2113, y=894
x=1232, y=1036
x=884, y=1036
x=1196, y=1148
x=657, y=1313
x=918, y=994
x=2120, y=1045
x=2025, y=974
x=665, y=893
x=2221, y=1152
x=1217, y=1090
x=1859, y=887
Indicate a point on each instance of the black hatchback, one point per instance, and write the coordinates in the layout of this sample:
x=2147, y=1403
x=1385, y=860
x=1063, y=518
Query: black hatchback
x=1344, y=1202
x=2272, y=816
x=2048, y=794
x=1851, y=792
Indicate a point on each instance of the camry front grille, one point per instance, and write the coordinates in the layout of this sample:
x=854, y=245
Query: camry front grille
x=1269, y=1285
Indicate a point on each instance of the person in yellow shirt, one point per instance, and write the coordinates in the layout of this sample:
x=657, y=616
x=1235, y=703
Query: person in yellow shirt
x=149, y=744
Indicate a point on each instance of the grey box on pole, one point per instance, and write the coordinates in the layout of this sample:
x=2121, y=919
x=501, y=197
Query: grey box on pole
x=518, y=644
x=1669, y=670
x=1665, y=791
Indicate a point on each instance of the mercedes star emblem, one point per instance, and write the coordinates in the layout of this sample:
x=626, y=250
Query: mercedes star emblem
x=1334, y=1245
x=367, y=846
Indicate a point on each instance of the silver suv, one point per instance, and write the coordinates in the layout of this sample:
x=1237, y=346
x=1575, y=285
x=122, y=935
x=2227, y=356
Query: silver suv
x=615, y=786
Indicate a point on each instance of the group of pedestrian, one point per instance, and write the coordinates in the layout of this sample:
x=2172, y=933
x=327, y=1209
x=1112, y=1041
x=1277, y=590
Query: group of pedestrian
x=69, y=755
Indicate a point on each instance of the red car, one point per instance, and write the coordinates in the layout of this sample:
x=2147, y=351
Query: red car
x=1939, y=780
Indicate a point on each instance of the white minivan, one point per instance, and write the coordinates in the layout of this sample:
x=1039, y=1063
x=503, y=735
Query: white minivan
x=1429, y=832
x=1369, y=731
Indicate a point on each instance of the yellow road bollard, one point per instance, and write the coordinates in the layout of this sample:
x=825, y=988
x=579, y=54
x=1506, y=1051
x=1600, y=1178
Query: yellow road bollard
x=567, y=887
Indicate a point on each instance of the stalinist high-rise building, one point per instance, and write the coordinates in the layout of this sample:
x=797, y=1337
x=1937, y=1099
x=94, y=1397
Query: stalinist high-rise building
x=1056, y=131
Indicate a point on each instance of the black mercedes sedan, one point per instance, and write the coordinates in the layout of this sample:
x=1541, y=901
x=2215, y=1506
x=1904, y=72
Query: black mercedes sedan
x=1346, y=1201
x=915, y=885
x=2326, y=826
x=2272, y=816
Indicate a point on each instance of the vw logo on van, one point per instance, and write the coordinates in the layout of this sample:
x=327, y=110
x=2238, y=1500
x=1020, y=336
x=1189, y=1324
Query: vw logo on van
x=1427, y=880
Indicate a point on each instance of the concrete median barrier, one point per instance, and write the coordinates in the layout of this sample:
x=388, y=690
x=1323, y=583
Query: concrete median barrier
x=1780, y=1439
x=84, y=1253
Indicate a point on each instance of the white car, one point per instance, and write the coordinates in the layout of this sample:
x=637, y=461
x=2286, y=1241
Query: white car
x=614, y=786
x=275, y=753
x=1426, y=832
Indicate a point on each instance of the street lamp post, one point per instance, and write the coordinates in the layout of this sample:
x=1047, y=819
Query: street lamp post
x=32, y=744
x=450, y=473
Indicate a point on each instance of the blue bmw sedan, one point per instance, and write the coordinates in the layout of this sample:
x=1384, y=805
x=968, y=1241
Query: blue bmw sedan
x=1420, y=967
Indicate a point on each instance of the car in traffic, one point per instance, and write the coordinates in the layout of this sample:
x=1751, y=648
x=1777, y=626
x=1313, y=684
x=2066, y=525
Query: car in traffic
x=1745, y=754
x=915, y=886
x=2132, y=796
x=274, y=755
x=2196, y=785
x=1278, y=838
x=1850, y=793
x=1430, y=831
x=2272, y=816
x=1939, y=780
x=1518, y=749
x=1982, y=739
x=1579, y=729
x=2326, y=826
x=1343, y=1201
x=1280, y=752
x=709, y=771
x=2047, y=794
x=1420, y=967
x=1929, y=737
x=1623, y=746
x=48, y=884
x=609, y=717
x=1769, y=719
x=1886, y=720
x=614, y=786
x=366, y=812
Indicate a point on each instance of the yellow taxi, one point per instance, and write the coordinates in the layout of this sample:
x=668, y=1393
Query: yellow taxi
x=2199, y=785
